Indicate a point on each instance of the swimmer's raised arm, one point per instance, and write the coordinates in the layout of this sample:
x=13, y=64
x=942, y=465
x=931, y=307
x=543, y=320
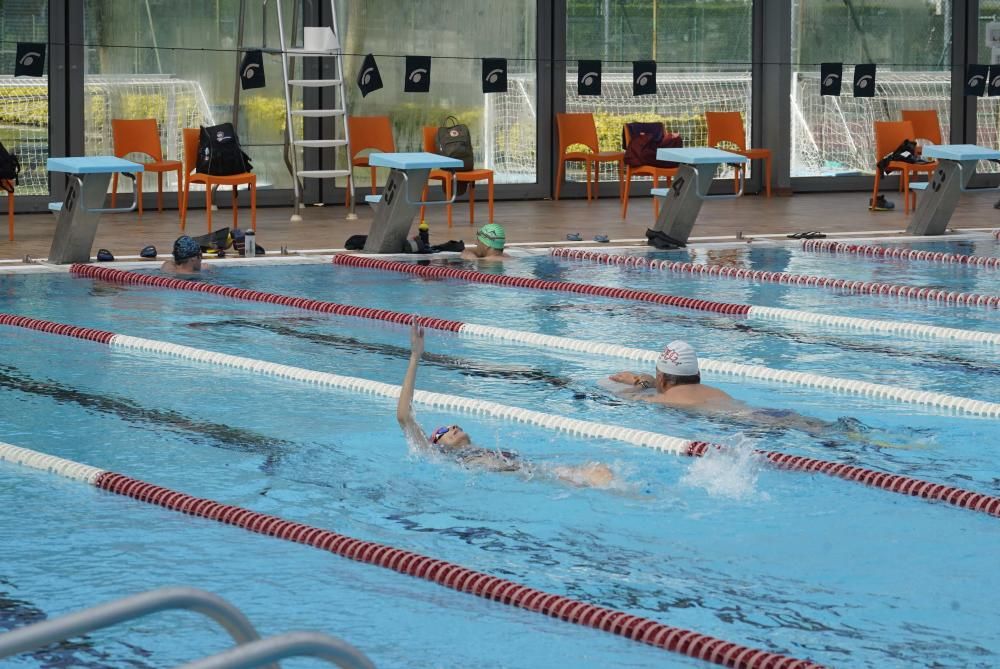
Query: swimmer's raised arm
x=404, y=408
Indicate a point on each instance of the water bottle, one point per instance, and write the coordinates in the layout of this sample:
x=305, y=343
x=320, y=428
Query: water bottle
x=424, y=232
x=250, y=244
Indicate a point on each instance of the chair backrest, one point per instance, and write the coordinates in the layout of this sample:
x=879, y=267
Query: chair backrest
x=726, y=127
x=889, y=135
x=627, y=134
x=576, y=129
x=925, y=124
x=140, y=135
x=191, y=138
x=370, y=132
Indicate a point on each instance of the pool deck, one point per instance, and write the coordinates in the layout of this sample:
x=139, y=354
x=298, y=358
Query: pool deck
x=533, y=222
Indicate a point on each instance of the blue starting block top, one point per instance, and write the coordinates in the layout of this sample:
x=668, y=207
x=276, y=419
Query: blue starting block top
x=659, y=192
x=699, y=156
x=411, y=161
x=959, y=152
x=92, y=165
x=373, y=199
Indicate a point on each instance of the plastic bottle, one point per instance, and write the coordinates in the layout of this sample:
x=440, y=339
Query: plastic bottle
x=250, y=244
x=424, y=232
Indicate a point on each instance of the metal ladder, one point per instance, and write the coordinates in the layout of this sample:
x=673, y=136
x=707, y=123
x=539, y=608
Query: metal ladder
x=289, y=57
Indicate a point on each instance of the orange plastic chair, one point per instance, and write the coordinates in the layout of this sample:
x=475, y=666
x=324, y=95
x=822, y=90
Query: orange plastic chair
x=234, y=180
x=368, y=132
x=888, y=136
x=9, y=187
x=728, y=127
x=142, y=136
x=444, y=176
x=657, y=173
x=925, y=124
x=580, y=129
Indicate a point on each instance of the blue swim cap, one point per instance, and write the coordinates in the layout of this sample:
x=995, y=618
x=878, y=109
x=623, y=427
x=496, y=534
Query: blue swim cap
x=185, y=248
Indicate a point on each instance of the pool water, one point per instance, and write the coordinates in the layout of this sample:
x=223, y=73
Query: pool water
x=809, y=566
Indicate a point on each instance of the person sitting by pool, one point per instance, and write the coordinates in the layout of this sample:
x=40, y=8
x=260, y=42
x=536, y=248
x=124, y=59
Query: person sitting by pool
x=454, y=442
x=187, y=257
x=490, y=240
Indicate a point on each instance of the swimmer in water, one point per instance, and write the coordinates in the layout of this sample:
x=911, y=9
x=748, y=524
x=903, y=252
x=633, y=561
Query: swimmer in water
x=187, y=257
x=454, y=442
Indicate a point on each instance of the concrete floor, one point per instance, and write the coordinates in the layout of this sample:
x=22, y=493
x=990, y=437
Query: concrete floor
x=539, y=221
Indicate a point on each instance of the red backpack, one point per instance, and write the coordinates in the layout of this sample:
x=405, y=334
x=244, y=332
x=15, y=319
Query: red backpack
x=646, y=138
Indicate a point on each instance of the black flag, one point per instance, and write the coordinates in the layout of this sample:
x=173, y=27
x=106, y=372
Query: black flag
x=252, y=70
x=418, y=74
x=369, y=80
x=643, y=77
x=30, y=59
x=975, y=79
x=864, y=81
x=494, y=75
x=830, y=77
x=994, y=86
x=588, y=77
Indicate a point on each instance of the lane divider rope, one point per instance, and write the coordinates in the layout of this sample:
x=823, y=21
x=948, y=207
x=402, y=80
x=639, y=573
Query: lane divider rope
x=768, y=313
x=448, y=574
x=886, y=481
x=899, y=253
x=787, y=278
x=757, y=372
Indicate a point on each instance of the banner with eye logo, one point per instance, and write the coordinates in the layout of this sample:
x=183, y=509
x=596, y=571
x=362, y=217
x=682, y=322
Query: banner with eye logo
x=369, y=79
x=643, y=77
x=831, y=75
x=864, y=80
x=993, y=88
x=494, y=75
x=588, y=77
x=418, y=74
x=30, y=59
x=975, y=79
x=252, y=70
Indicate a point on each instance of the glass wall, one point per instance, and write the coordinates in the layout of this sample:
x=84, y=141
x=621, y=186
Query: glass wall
x=175, y=61
x=909, y=40
x=988, y=108
x=703, y=54
x=24, y=101
x=457, y=35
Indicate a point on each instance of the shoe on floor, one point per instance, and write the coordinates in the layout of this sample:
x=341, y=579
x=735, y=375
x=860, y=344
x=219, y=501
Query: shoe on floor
x=574, y=237
x=601, y=238
x=881, y=204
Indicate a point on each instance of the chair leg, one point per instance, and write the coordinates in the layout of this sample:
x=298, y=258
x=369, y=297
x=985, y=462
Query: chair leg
x=10, y=215
x=767, y=176
x=423, y=198
x=184, y=205
x=625, y=192
x=559, y=176
x=621, y=179
x=347, y=189
x=114, y=188
x=138, y=191
x=236, y=210
x=180, y=187
x=253, y=205
x=878, y=178
x=472, y=203
x=159, y=192
x=447, y=196
x=489, y=195
x=208, y=206
x=588, y=163
x=374, y=178
x=737, y=170
x=906, y=191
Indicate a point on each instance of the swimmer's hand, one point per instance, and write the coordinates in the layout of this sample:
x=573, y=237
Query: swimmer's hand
x=416, y=339
x=628, y=378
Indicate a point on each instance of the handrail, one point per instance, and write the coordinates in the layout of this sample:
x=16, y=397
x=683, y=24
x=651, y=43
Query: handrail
x=106, y=615
x=292, y=644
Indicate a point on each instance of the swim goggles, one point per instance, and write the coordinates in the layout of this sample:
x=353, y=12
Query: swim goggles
x=440, y=432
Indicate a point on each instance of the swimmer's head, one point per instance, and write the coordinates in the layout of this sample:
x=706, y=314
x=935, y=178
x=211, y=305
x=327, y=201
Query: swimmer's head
x=450, y=436
x=678, y=364
x=186, y=248
x=492, y=236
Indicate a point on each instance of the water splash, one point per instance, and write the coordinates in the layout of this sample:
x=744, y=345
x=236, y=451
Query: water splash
x=731, y=472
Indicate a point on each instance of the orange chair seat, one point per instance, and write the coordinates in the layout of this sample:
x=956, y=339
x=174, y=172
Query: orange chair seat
x=162, y=166
x=470, y=175
x=902, y=166
x=600, y=156
x=755, y=154
x=230, y=180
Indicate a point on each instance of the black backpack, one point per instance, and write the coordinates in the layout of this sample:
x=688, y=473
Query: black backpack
x=10, y=169
x=906, y=152
x=219, y=152
x=455, y=141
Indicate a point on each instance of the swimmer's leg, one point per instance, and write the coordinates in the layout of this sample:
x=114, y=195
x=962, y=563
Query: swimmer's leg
x=593, y=474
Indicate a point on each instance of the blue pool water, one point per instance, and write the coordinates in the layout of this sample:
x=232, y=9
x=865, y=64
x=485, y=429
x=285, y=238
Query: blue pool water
x=810, y=566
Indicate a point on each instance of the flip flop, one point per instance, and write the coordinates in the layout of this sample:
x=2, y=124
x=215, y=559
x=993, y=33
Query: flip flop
x=813, y=234
x=574, y=237
x=796, y=235
x=601, y=238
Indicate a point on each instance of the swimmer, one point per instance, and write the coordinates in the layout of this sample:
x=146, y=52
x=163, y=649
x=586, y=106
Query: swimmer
x=454, y=442
x=187, y=257
x=490, y=241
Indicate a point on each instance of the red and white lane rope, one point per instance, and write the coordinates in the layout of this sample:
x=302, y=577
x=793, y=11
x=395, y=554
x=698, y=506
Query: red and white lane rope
x=768, y=313
x=892, y=482
x=758, y=372
x=862, y=287
x=450, y=575
x=900, y=253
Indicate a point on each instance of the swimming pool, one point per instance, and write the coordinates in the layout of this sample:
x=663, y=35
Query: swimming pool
x=801, y=564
